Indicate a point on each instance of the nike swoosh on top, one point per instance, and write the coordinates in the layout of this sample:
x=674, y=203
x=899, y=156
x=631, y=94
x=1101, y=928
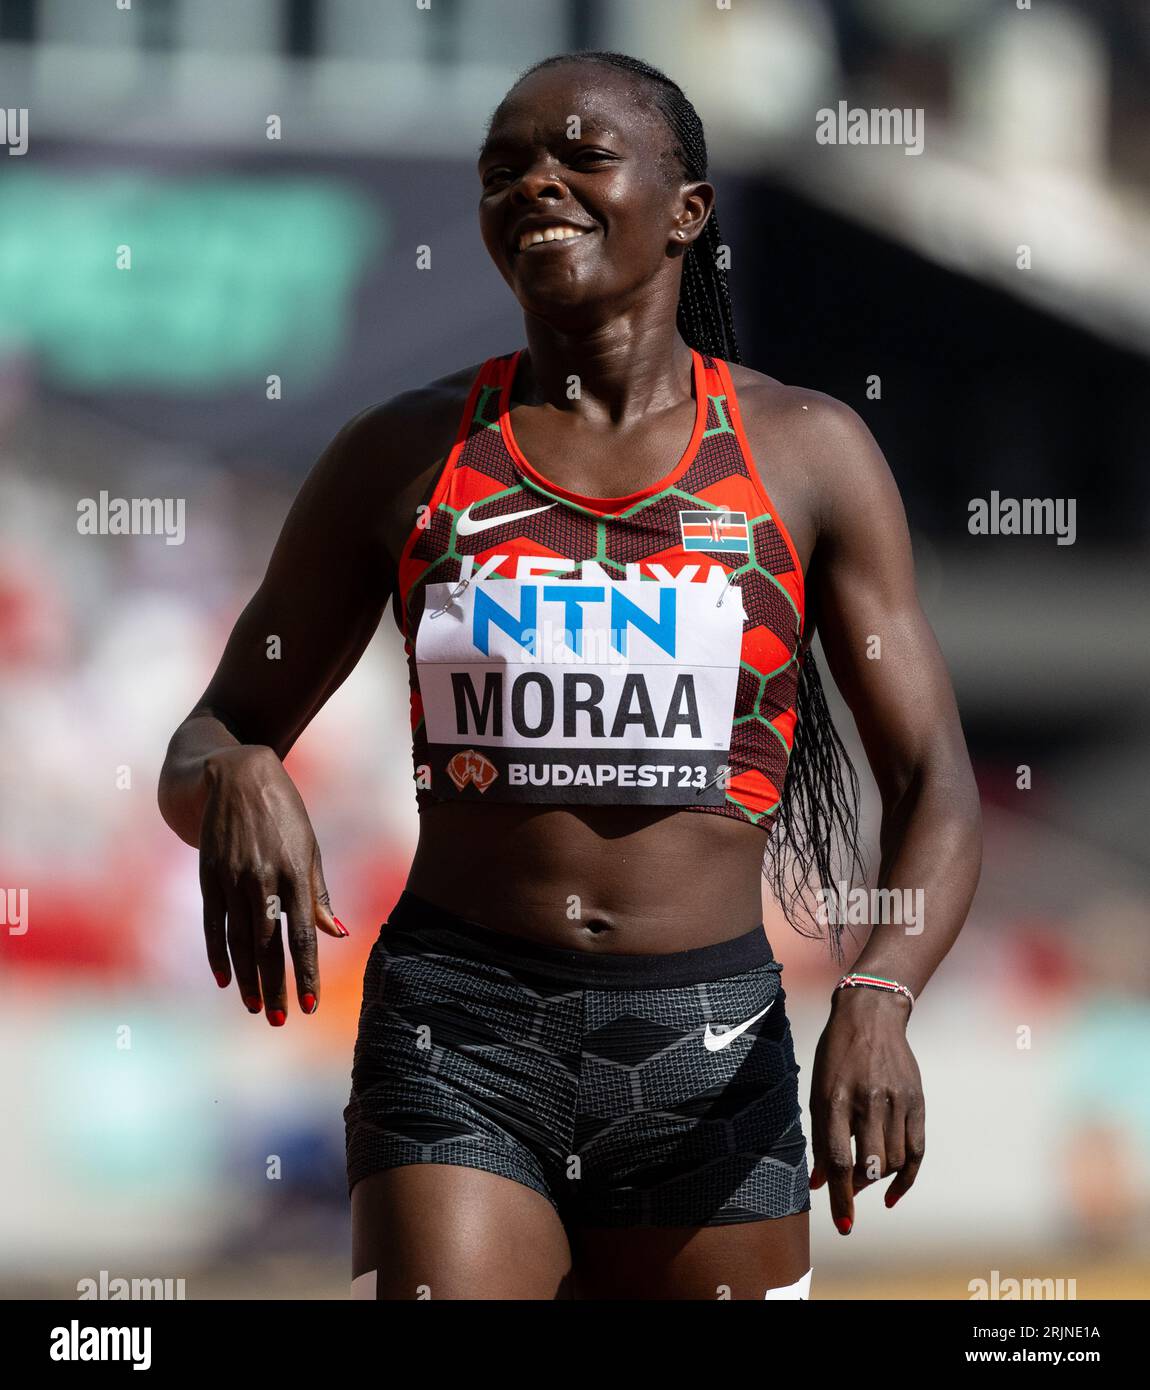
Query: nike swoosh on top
x=467, y=525
x=714, y=1041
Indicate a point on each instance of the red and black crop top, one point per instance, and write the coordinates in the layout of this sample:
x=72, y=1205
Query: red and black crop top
x=573, y=650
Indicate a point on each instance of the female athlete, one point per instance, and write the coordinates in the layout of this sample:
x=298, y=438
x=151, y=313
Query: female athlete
x=608, y=553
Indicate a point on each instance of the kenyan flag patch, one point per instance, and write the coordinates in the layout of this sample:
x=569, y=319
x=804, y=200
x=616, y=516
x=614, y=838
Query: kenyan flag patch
x=715, y=530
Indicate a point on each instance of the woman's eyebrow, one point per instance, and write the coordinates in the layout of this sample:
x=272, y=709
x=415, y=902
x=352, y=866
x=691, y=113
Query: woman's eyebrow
x=507, y=145
x=496, y=144
x=588, y=126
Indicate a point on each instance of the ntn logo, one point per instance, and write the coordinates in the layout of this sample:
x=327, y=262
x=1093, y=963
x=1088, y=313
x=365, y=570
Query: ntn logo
x=598, y=606
x=538, y=602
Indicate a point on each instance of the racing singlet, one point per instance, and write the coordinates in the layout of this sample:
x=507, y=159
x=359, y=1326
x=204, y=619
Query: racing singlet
x=572, y=650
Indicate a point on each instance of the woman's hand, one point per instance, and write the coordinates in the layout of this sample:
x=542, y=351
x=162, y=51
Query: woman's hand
x=222, y=787
x=865, y=1083
x=258, y=858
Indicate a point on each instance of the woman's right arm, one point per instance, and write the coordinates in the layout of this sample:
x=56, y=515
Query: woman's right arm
x=223, y=788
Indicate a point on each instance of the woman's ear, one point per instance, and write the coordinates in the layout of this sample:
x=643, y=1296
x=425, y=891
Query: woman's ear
x=697, y=200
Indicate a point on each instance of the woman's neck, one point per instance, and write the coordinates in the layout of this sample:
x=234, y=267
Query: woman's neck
x=624, y=369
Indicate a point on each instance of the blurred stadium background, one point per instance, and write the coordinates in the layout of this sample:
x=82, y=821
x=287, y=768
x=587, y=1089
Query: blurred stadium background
x=148, y=127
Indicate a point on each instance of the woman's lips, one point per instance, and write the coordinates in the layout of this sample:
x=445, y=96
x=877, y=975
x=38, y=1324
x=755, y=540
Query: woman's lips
x=550, y=236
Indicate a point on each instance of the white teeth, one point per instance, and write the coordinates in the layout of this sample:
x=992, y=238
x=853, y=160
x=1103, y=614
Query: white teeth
x=549, y=234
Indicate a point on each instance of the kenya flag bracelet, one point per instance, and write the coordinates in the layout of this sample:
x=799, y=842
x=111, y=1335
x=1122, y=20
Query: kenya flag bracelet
x=874, y=982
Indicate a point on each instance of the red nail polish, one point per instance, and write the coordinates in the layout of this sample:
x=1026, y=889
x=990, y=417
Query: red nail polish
x=277, y=1018
x=252, y=1003
x=843, y=1225
x=341, y=926
x=221, y=978
x=309, y=1002
x=890, y=1201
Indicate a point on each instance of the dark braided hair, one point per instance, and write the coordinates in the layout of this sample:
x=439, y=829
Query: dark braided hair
x=816, y=835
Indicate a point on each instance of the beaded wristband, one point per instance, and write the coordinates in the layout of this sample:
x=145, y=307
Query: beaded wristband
x=875, y=982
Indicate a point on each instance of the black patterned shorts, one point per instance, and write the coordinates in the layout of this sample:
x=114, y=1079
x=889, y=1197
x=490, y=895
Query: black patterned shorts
x=628, y=1090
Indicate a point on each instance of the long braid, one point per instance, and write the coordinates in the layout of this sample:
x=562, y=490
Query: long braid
x=816, y=835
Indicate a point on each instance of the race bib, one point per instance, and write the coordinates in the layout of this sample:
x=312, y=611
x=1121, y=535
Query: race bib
x=587, y=689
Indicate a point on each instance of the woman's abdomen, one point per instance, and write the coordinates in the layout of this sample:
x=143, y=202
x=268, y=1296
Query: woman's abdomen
x=602, y=878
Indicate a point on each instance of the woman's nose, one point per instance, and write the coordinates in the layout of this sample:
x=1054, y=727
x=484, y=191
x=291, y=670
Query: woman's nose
x=539, y=181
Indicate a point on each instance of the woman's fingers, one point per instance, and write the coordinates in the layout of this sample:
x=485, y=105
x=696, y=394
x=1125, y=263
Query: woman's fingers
x=325, y=919
x=301, y=915
x=863, y=1129
x=242, y=947
x=855, y=1145
x=259, y=862
x=889, y=1134
x=870, y=1140
x=269, y=950
x=244, y=936
x=838, y=1164
x=894, y=1133
x=215, y=924
x=915, y=1148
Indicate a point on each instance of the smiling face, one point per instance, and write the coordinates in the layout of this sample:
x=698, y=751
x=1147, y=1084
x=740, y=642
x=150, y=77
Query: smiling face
x=585, y=224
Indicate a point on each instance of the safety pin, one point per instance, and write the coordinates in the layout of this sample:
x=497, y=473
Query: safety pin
x=723, y=595
x=451, y=598
x=722, y=772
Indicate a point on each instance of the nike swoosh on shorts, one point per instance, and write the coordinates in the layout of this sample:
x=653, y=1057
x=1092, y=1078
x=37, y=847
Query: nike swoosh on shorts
x=714, y=1041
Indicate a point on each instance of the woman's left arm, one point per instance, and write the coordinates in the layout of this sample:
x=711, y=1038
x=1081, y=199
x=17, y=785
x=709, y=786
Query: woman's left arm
x=885, y=661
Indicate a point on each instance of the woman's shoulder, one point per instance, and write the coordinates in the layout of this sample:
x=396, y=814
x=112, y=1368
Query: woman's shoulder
x=392, y=449
x=825, y=434
x=383, y=463
x=819, y=442
x=774, y=402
